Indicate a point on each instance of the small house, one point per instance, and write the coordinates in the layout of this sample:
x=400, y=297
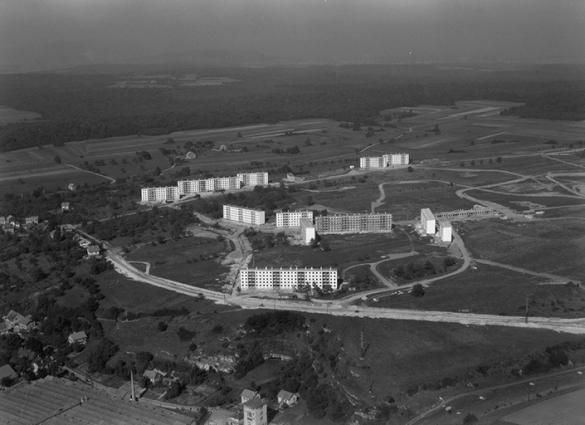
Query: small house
x=77, y=337
x=65, y=206
x=248, y=395
x=9, y=228
x=191, y=155
x=34, y=219
x=3, y=221
x=24, y=323
x=6, y=371
x=12, y=318
x=71, y=186
x=288, y=398
x=154, y=375
x=93, y=250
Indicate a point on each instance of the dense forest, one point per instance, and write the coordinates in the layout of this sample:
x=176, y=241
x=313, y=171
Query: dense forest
x=79, y=107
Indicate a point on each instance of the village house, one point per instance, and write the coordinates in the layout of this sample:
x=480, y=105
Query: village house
x=248, y=395
x=9, y=228
x=33, y=219
x=77, y=337
x=93, y=250
x=2, y=220
x=65, y=206
x=71, y=186
x=155, y=376
x=6, y=371
x=288, y=398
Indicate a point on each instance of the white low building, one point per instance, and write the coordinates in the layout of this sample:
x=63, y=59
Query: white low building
x=308, y=232
x=243, y=215
x=427, y=221
x=286, y=279
x=445, y=231
x=389, y=159
x=292, y=218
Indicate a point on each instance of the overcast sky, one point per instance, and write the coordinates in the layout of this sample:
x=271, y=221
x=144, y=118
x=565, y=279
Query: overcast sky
x=65, y=32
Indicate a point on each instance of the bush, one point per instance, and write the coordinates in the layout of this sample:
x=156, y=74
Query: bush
x=162, y=326
x=418, y=291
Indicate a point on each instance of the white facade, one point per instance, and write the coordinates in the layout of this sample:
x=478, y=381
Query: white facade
x=353, y=223
x=445, y=231
x=185, y=187
x=254, y=179
x=385, y=160
x=292, y=218
x=398, y=158
x=307, y=230
x=243, y=215
x=427, y=220
x=255, y=412
x=150, y=194
x=286, y=279
x=373, y=162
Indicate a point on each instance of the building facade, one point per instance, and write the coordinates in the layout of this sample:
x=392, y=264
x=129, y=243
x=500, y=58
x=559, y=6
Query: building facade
x=445, y=231
x=286, y=279
x=255, y=412
x=427, y=221
x=385, y=160
x=354, y=223
x=308, y=232
x=254, y=179
x=154, y=194
x=292, y=218
x=243, y=215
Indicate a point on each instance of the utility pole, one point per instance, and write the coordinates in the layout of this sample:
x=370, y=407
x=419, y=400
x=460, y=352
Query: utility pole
x=527, y=297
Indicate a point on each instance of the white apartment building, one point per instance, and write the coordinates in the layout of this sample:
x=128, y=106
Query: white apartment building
x=307, y=230
x=255, y=412
x=427, y=221
x=153, y=194
x=398, y=158
x=292, y=218
x=254, y=179
x=373, y=162
x=445, y=231
x=353, y=223
x=385, y=160
x=243, y=215
x=286, y=279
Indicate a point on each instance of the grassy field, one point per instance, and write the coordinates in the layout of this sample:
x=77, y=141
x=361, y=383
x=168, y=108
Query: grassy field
x=402, y=354
x=554, y=247
x=521, y=203
x=190, y=260
x=346, y=250
x=567, y=409
x=8, y=115
x=494, y=290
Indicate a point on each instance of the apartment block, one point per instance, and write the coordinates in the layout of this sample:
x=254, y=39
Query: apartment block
x=445, y=231
x=427, y=221
x=244, y=215
x=292, y=218
x=286, y=279
x=354, y=223
x=307, y=230
x=385, y=160
x=254, y=179
x=153, y=194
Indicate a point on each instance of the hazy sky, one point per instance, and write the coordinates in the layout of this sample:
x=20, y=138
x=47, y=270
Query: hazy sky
x=64, y=32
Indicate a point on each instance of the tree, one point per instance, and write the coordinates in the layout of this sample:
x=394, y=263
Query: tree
x=418, y=291
x=157, y=171
x=239, y=134
x=499, y=159
x=57, y=159
x=162, y=326
x=410, y=169
x=469, y=419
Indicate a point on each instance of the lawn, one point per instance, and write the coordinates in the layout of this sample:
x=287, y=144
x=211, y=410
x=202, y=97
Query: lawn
x=494, y=290
x=346, y=250
x=554, y=247
x=191, y=260
x=522, y=202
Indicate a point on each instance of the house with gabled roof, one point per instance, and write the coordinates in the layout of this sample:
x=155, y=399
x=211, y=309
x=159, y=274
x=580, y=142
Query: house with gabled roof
x=65, y=206
x=248, y=395
x=6, y=371
x=288, y=398
x=77, y=337
x=93, y=250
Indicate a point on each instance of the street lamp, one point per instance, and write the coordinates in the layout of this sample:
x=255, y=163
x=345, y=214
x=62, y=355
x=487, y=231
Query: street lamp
x=530, y=384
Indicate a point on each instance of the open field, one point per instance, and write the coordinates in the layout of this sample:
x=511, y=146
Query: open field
x=346, y=250
x=493, y=290
x=190, y=260
x=567, y=409
x=404, y=354
x=522, y=202
x=554, y=247
x=8, y=115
